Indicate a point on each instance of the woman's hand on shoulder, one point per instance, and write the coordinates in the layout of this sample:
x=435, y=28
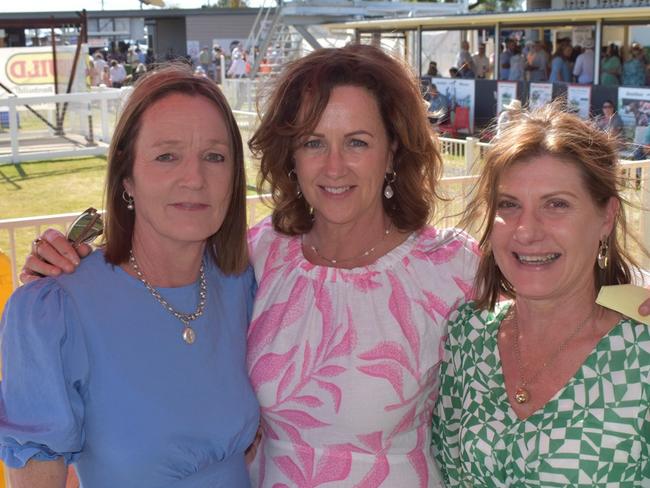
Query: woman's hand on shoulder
x=51, y=255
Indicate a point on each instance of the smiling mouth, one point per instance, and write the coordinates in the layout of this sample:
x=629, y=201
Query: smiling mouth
x=336, y=190
x=536, y=259
x=190, y=206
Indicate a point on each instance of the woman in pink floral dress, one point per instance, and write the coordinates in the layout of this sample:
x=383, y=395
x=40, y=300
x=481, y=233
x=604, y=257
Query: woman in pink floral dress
x=354, y=289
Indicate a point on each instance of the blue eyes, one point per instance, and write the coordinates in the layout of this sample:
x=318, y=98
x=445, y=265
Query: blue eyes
x=313, y=144
x=165, y=157
x=211, y=157
x=318, y=143
x=555, y=204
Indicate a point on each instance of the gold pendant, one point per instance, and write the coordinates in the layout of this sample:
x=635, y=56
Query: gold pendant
x=189, y=336
x=522, y=395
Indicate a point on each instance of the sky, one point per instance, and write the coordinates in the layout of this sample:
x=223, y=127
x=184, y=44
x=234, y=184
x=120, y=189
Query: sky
x=72, y=5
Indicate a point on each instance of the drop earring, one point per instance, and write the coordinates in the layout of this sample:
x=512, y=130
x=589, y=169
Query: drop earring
x=128, y=199
x=603, y=254
x=388, y=190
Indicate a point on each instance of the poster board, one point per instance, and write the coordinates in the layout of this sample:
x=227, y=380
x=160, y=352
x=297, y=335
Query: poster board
x=579, y=100
x=506, y=93
x=460, y=93
x=539, y=95
x=634, y=110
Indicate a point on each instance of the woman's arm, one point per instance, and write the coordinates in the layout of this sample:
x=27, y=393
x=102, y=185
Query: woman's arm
x=38, y=474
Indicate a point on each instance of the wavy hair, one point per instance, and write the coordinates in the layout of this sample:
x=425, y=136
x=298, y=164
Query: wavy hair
x=296, y=105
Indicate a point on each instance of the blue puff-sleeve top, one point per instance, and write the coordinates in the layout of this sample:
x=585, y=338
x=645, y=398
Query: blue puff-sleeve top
x=94, y=370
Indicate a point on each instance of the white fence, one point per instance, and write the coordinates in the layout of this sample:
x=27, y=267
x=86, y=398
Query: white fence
x=58, y=126
x=458, y=189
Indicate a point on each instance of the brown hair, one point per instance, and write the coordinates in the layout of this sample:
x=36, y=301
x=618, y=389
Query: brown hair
x=296, y=105
x=551, y=131
x=228, y=245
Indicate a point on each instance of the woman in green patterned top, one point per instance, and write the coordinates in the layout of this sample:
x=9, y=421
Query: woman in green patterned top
x=547, y=389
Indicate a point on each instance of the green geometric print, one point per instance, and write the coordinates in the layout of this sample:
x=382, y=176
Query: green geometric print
x=592, y=433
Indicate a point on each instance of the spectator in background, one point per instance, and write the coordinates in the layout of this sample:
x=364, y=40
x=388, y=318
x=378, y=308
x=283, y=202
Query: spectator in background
x=433, y=69
x=438, y=105
x=537, y=63
x=466, y=71
x=481, y=62
x=509, y=113
x=584, y=67
x=517, y=65
x=453, y=72
x=140, y=70
x=205, y=59
x=117, y=74
x=464, y=58
x=610, y=66
x=106, y=76
x=238, y=64
x=634, y=68
x=98, y=64
x=216, y=61
x=560, y=65
x=504, y=60
x=609, y=121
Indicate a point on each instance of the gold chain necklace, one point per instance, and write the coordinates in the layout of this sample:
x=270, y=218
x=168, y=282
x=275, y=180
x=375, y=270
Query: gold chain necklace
x=522, y=395
x=346, y=260
x=189, y=336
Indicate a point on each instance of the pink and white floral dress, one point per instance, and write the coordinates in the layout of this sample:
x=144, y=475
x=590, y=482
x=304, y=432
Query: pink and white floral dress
x=345, y=362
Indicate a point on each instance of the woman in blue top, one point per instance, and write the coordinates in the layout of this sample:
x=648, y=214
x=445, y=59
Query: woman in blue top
x=559, y=65
x=133, y=368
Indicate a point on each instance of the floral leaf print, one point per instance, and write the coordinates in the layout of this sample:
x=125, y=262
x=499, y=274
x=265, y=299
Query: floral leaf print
x=308, y=400
x=377, y=474
x=269, y=323
x=388, y=371
x=391, y=351
x=333, y=390
x=291, y=470
x=417, y=458
x=300, y=419
x=334, y=465
x=399, y=305
x=284, y=382
x=330, y=371
x=434, y=303
x=269, y=367
x=466, y=288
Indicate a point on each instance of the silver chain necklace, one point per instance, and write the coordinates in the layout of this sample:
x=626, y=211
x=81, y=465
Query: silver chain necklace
x=522, y=395
x=346, y=260
x=189, y=336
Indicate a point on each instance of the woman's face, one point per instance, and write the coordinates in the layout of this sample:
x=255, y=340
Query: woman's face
x=547, y=229
x=182, y=172
x=342, y=163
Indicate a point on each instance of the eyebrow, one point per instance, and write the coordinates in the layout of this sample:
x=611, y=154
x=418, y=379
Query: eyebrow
x=348, y=134
x=545, y=196
x=179, y=142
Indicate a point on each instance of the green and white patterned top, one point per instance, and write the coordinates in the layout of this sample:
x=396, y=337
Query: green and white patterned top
x=593, y=433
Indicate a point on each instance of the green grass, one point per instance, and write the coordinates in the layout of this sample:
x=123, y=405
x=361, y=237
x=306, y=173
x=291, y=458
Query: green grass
x=51, y=187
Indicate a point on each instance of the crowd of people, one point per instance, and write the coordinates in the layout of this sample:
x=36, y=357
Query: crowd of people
x=534, y=61
x=149, y=361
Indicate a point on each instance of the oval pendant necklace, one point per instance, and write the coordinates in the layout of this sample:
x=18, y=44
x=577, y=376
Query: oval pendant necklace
x=188, y=335
x=522, y=394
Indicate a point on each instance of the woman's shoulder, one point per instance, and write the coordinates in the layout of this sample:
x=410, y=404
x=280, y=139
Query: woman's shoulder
x=448, y=246
x=265, y=243
x=472, y=321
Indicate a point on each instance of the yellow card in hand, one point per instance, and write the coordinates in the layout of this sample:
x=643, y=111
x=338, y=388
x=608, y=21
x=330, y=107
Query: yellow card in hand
x=625, y=299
